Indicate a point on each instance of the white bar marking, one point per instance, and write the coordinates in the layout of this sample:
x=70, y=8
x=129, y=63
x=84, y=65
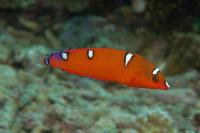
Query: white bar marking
x=128, y=58
x=64, y=55
x=90, y=53
x=167, y=84
x=155, y=71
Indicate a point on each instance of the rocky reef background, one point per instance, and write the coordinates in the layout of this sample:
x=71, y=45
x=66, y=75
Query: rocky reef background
x=36, y=99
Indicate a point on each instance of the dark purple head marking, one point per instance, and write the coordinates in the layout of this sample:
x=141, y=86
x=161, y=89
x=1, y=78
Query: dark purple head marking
x=54, y=56
x=57, y=55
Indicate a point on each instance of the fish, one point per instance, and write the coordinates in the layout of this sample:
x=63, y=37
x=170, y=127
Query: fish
x=113, y=65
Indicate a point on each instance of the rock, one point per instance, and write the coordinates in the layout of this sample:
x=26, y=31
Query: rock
x=104, y=125
x=8, y=76
x=6, y=38
x=32, y=117
x=122, y=118
x=76, y=5
x=6, y=46
x=159, y=15
x=7, y=114
x=94, y=88
x=58, y=94
x=187, y=55
x=186, y=79
x=77, y=117
x=96, y=31
x=53, y=40
x=138, y=6
x=185, y=95
x=29, y=93
x=83, y=31
x=4, y=93
x=196, y=120
x=30, y=57
x=5, y=53
x=123, y=98
x=71, y=5
x=5, y=131
x=97, y=109
x=32, y=25
x=29, y=78
x=17, y=4
x=154, y=121
x=129, y=131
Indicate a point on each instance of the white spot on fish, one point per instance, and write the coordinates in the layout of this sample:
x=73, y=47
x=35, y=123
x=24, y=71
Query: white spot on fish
x=155, y=71
x=90, y=53
x=64, y=55
x=167, y=84
x=128, y=58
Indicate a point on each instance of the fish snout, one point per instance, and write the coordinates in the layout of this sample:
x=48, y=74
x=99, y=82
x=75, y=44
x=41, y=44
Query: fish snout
x=46, y=60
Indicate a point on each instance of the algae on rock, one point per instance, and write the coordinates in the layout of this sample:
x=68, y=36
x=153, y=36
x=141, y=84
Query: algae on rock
x=154, y=121
x=8, y=76
x=104, y=125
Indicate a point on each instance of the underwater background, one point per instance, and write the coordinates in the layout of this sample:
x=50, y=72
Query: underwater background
x=37, y=99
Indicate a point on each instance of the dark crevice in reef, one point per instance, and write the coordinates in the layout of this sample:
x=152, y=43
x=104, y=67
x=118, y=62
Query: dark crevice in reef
x=18, y=65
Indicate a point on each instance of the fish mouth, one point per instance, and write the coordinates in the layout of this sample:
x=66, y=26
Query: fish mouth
x=46, y=59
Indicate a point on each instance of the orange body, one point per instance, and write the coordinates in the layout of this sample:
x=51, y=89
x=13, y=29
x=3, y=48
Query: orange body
x=111, y=65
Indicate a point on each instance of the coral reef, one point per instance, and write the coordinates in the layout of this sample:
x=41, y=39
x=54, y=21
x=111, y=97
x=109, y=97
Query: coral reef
x=155, y=121
x=187, y=55
x=35, y=98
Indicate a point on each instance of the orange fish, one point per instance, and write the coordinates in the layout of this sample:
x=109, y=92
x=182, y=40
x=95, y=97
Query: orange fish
x=109, y=64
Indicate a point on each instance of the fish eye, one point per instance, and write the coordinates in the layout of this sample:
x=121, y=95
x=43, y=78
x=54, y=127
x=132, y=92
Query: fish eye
x=155, y=78
x=155, y=73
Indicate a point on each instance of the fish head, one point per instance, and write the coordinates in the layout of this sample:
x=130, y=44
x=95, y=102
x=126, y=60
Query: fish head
x=149, y=80
x=158, y=80
x=147, y=75
x=56, y=60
